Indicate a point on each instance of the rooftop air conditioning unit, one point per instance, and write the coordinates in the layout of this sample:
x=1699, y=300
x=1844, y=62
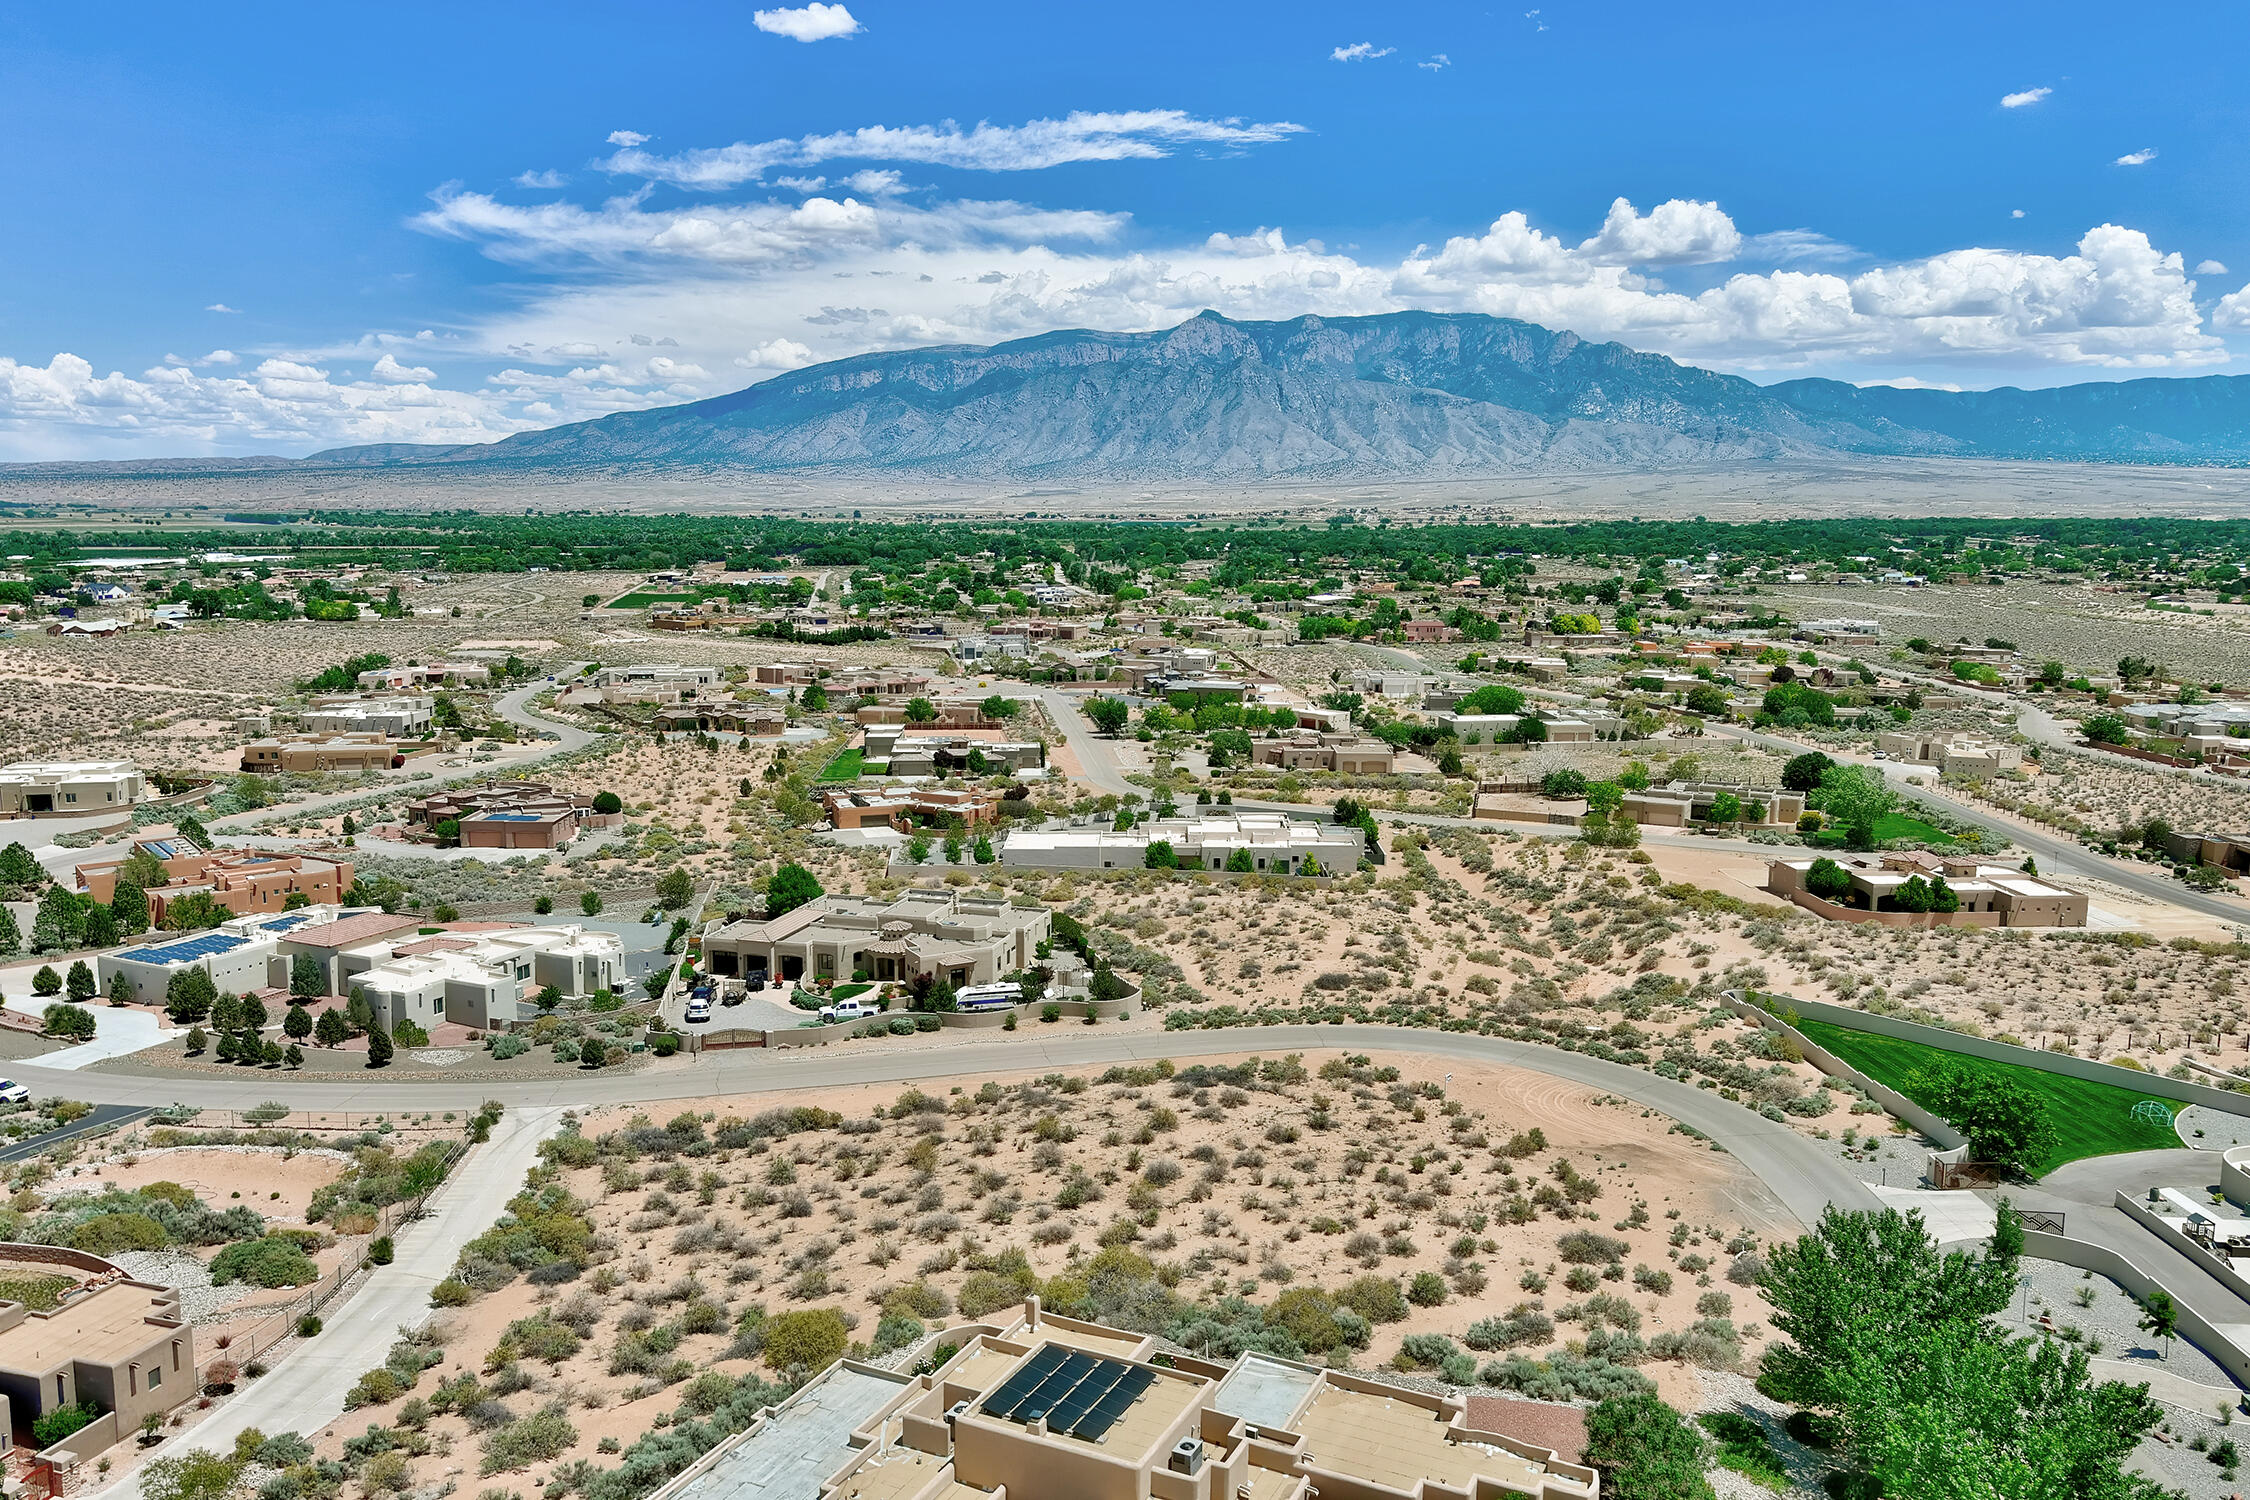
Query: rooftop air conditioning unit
x=955, y=1411
x=1187, y=1456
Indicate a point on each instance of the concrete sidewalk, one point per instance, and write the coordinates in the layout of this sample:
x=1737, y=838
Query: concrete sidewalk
x=306, y=1390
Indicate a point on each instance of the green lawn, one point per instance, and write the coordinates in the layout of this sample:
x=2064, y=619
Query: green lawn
x=1889, y=826
x=2090, y=1119
x=644, y=600
x=847, y=766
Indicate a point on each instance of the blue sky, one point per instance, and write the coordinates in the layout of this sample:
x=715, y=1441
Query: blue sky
x=276, y=229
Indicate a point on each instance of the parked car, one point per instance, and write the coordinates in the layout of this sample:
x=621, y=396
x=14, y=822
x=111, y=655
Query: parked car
x=12, y=1092
x=846, y=1010
x=698, y=1010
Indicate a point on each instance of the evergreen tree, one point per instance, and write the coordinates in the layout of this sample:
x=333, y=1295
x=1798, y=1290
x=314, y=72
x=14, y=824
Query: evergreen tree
x=79, y=983
x=226, y=1013
x=330, y=1030
x=379, y=1048
x=68, y=912
x=46, y=981
x=11, y=936
x=129, y=905
x=101, y=927
x=298, y=1024
x=18, y=868
x=358, y=1014
x=306, y=977
x=294, y=1056
x=197, y=1041
x=189, y=996
x=253, y=1013
x=120, y=989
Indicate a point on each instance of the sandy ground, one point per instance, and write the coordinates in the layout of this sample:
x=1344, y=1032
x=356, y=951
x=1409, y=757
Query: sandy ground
x=276, y=1183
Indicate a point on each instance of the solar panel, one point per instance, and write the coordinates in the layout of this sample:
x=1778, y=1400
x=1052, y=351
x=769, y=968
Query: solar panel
x=1068, y=1412
x=1003, y=1402
x=1095, y=1425
x=200, y=946
x=1074, y=1368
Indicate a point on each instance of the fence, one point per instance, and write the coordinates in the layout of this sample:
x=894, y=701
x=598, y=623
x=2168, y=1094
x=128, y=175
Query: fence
x=239, y=1346
x=994, y=1019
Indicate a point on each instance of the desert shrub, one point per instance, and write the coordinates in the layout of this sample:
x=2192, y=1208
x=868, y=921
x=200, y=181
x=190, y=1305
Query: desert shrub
x=534, y=1338
x=1583, y=1247
x=274, y=1261
x=1563, y=1376
x=543, y=1435
x=1525, y=1324
x=61, y=1423
x=1375, y=1298
x=509, y=1045
x=1427, y=1289
x=107, y=1234
x=1426, y=1350
x=895, y=1331
x=987, y=1292
x=811, y=1340
x=378, y=1387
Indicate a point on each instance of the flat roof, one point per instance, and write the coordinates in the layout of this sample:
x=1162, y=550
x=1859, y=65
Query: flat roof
x=1264, y=1392
x=807, y=1440
x=186, y=950
x=107, y=1324
x=1398, y=1444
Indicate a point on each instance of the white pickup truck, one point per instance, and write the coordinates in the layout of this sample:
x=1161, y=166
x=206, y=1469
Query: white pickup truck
x=846, y=1010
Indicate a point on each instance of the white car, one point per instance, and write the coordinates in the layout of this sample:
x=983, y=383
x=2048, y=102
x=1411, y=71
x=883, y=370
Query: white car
x=12, y=1092
x=846, y=1010
x=698, y=1012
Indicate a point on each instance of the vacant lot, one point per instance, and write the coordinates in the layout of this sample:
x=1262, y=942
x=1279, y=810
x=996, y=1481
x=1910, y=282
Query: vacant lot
x=2089, y=1119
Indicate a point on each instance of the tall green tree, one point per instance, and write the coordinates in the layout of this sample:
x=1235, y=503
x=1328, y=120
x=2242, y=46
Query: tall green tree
x=79, y=982
x=1858, y=799
x=790, y=887
x=2005, y=1122
x=11, y=936
x=189, y=996
x=1859, y=1271
x=331, y=1029
x=379, y=1047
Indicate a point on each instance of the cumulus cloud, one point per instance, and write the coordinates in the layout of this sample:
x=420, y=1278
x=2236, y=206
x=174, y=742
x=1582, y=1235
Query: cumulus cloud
x=626, y=306
x=2210, y=268
x=220, y=357
x=1107, y=135
x=221, y=307
x=389, y=370
x=2025, y=99
x=812, y=23
x=775, y=354
x=1360, y=52
x=2140, y=158
x=1674, y=233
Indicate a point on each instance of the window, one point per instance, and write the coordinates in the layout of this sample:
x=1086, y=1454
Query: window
x=132, y=1380
x=155, y=1376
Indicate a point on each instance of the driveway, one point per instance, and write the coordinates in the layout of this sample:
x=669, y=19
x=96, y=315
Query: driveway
x=305, y=1391
x=1093, y=753
x=118, y=1030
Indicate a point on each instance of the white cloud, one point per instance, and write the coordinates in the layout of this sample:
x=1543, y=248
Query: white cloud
x=1146, y=134
x=1360, y=52
x=391, y=372
x=1674, y=233
x=812, y=23
x=2210, y=268
x=1909, y=383
x=624, y=306
x=2026, y=98
x=2015, y=213
x=775, y=354
x=1437, y=63
x=627, y=138
x=220, y=357
x=2140, y=158
x=546, y=179
x=221, y=307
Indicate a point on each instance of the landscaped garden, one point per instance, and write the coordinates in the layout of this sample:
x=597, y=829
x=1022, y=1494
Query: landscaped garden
x=2088, y=1118
x=640, y=599
x=1888, y=827
x=847, y=766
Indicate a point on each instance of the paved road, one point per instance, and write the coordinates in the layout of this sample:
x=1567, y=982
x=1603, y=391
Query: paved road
x=2057, y=855
x=306, y=1390
x=2084, y=1191
x=1093, y=753
x=1800, y=1173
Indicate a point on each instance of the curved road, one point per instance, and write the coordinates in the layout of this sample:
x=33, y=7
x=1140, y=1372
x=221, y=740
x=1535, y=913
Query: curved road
x=1798, y=1172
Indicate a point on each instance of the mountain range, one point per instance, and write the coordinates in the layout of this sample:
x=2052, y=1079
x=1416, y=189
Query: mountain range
x=1409, y=394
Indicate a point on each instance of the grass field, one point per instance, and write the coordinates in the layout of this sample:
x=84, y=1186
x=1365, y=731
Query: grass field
x=2090, y=1119
x=644, y=601
x=1890, y=826
x=845, y=767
